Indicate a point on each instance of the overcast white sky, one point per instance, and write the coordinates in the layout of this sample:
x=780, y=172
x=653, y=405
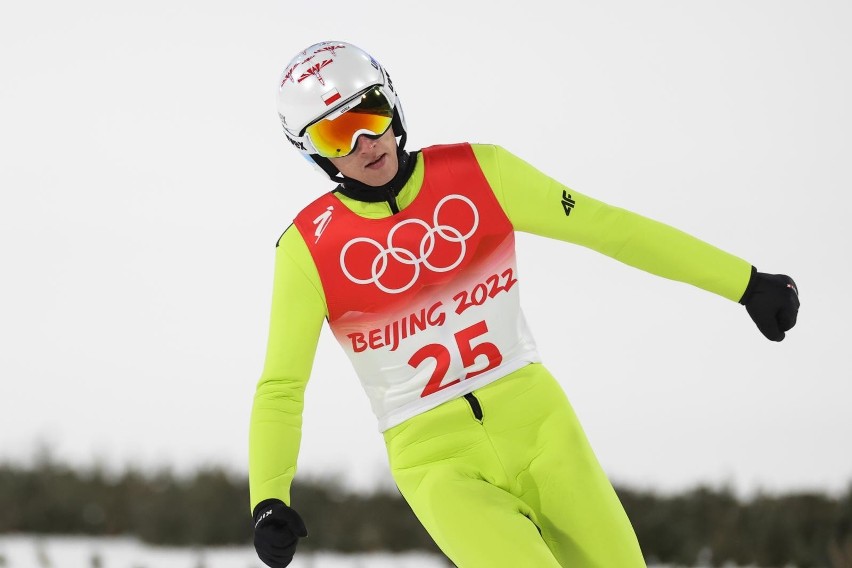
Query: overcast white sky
x=144, y=181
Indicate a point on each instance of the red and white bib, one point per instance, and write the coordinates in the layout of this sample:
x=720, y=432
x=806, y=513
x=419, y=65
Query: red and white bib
x=425, y=302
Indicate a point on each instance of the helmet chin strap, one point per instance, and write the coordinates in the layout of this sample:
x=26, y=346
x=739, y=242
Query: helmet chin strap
x=398, y=130
x=329, y=169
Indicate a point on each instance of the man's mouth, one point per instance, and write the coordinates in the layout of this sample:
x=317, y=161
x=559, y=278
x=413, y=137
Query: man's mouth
x=377, y=163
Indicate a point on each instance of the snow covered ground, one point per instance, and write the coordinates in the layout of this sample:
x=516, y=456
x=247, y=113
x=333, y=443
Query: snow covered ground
x=26, y=551
x=29, y=551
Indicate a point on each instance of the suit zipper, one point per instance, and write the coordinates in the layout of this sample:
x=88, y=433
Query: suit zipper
x=392, y=202
x=474, y=406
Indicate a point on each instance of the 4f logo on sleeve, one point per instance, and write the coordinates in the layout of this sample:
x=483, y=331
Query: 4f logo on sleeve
x=322, y=222
x=567, y=203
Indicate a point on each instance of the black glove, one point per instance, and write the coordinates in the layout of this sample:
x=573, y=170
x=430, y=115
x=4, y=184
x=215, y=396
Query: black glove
x=772, y=301
x=277, y=529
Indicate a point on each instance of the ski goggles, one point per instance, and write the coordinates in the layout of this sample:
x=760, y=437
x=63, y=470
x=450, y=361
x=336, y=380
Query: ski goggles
x=336, y=134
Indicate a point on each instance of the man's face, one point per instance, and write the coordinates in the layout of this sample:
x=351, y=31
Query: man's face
x=372, y=162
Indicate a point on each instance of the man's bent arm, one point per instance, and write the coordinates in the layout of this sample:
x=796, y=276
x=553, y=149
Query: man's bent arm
x=298, y=310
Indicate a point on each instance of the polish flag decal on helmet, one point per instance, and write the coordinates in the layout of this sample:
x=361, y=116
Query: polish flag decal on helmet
x=330, y=97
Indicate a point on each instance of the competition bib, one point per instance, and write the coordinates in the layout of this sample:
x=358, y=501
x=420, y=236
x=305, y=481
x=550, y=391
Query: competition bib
x=425, y=302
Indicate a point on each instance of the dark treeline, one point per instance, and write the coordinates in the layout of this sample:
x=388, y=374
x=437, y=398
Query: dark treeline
x=711, y=525
x=210, y=507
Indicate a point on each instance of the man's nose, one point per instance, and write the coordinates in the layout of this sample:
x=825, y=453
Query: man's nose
x=364, y=143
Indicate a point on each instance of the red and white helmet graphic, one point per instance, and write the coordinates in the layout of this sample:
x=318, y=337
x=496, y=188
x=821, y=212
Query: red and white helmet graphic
x=323, y=78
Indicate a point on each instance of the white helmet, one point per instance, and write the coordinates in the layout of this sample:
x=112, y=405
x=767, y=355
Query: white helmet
x=321, y=83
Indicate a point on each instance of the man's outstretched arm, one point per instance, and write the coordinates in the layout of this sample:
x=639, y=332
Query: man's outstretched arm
x=538, y=204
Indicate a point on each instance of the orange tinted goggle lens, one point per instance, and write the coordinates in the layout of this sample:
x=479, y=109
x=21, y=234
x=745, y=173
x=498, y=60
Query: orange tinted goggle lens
x=334, y=138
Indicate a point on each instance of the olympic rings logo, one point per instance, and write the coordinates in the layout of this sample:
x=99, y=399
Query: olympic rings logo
x=381, y=261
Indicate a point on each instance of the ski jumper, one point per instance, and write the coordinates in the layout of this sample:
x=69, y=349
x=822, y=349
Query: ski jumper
x=481, y=439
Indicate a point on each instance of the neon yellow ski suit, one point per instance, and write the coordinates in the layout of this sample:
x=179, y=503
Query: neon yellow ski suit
x=505, y=478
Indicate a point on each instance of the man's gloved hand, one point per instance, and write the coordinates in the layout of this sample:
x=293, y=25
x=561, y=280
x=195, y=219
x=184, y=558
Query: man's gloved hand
x=772, y=301
x=277, y=529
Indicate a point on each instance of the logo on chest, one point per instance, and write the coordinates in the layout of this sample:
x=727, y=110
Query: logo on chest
x=322, y=221
x=394, y=263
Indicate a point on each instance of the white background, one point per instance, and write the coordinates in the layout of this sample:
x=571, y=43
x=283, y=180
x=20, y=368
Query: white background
x=144, y=181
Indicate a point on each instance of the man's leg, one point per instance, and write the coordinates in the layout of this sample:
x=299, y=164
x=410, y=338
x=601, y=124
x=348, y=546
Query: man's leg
x=476, y=524
x=580, y=516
